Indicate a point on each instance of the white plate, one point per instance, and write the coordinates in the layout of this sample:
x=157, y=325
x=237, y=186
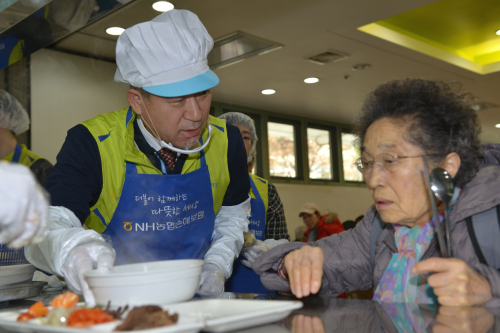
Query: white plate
x=212, y=315
x=9, y=320
x=223, y=315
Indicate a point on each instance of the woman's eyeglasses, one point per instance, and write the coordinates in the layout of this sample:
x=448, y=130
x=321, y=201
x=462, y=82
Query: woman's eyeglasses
x=385, y=161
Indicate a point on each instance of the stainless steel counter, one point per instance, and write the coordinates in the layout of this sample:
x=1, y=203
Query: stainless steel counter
x=350, y=315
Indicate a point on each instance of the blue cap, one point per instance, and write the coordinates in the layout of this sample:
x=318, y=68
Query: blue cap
x=190, y=86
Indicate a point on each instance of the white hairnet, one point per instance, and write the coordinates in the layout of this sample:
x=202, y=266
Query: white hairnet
x=238, y=118
x=12, y=114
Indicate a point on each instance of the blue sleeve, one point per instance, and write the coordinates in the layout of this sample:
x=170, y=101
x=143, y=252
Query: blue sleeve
x=75, y=181
x=239, y=183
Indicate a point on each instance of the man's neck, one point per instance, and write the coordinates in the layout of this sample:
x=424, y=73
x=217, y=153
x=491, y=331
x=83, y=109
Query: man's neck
x=151, y=140
x=7, y=142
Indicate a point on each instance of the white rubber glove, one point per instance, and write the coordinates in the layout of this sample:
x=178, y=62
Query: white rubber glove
x=257, y=249
x=212, y=280
x=24, y=205
x=65, y=234
x=83, y=258
x=231, y=223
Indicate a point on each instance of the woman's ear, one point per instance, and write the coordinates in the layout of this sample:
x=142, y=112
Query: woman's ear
x=134, y=99
x=452, y=164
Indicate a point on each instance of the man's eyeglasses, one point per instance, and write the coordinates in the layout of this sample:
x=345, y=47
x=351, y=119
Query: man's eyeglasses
x=384, y=161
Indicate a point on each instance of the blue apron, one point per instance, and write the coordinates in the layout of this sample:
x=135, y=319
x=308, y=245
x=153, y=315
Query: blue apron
x=244, y=279
x=17, y=154
x=163, y=217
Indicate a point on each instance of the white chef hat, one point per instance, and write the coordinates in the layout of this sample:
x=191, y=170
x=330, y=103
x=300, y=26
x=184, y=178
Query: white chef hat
x=166, y=56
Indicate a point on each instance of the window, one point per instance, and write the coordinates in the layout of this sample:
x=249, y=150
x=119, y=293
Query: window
x=319, y=153
x=282, y=160
x=349, y=156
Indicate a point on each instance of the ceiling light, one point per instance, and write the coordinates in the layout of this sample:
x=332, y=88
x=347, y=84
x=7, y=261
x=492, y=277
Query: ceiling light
x=268, y=91
x=497, y=125
x=163, y=6
x=115, y=31
x=360, y=67
x=311, y=80
x=498, y=32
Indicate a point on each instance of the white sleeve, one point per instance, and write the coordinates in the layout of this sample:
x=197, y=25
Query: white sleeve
x=64, y=233
x=231, y=223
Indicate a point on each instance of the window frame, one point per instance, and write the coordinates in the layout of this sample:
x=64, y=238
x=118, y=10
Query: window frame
x=332, y=130
x=262, y=117
x=298, y=143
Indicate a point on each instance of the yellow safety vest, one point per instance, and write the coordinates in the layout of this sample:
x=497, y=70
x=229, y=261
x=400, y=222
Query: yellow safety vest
x=27, y=157
x=262, y=188
x=114, y=135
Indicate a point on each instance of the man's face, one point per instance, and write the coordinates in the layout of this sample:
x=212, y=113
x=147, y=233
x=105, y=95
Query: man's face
x=178, y=120
x=310, y=220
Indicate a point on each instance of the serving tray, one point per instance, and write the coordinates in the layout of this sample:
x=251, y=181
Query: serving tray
x=10, y=292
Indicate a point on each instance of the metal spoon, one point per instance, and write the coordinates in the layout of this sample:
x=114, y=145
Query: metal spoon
x=442, y=244
x=443, y=187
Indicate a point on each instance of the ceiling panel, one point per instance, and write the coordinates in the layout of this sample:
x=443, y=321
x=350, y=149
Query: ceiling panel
x=305, y=28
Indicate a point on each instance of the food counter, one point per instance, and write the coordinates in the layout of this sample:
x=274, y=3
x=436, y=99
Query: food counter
x=320, y=315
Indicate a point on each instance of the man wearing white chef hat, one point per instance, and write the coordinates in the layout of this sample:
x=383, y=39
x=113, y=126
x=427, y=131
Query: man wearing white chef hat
x=160, y=179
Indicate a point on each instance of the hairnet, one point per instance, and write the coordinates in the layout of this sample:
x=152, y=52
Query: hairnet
x=12, y=114
x=238, y=118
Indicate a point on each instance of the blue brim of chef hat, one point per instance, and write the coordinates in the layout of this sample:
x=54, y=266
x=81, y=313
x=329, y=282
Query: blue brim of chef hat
x=194, y=85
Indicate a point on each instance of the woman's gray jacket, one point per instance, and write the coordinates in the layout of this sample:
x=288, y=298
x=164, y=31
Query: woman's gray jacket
x=347, y=264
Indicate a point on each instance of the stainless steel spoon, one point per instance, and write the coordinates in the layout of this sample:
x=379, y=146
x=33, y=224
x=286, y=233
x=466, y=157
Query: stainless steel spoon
x=439, y=230
x=443, y=187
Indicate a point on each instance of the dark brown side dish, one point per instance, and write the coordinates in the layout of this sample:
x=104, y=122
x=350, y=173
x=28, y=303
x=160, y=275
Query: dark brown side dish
x=147, y=316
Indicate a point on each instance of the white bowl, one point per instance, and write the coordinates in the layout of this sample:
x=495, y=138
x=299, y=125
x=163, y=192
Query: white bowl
x=158, y=282
x=16, y=273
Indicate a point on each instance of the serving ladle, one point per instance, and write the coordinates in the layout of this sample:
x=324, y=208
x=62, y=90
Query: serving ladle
x=443, y=187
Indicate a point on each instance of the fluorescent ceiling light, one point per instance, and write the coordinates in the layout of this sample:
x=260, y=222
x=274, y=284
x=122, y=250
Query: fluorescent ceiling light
x=498, y=32
x=163, y=6
x=236, y=47
x=268, y=91
x=311, y=80
x=497, y=125
x=115, y=31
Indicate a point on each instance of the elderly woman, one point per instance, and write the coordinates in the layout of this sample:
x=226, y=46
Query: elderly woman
x=402, y=121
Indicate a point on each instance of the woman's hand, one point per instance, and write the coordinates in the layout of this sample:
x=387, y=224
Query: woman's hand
x=467, y=319
x=454, y=282
x=305, y=324
x=305, y=270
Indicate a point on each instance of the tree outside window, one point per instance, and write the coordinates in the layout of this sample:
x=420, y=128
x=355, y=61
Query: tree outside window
x=282, y=160
x=349, y=155
x=319, y=153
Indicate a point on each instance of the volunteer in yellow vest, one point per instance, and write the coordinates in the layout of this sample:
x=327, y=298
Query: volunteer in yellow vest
x=267, y=222
x=14, y=120
x=158, y=180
